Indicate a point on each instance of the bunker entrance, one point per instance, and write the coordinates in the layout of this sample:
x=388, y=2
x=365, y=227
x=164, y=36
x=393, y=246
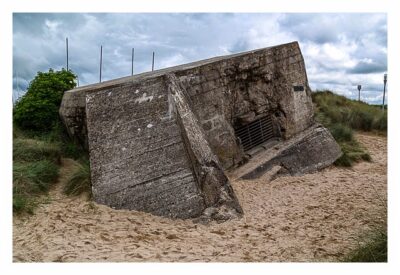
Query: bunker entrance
x=255, y=133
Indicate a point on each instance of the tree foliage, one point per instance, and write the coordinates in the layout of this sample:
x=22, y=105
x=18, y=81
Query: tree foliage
x=37, y=110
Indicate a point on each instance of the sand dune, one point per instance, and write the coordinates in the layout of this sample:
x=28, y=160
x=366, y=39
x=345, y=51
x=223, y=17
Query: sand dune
x=314, y=217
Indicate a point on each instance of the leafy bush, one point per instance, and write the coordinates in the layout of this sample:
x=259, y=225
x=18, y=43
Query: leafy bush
x=40, y=140
x=38, y=109
x=79, y=181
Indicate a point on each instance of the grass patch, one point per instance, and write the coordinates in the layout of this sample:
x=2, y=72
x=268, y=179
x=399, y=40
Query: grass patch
x=372, y=247
x=40, y=173
x=342, y=116
x=30, y=180
x=341, y=132
x=57, y=136
x=354, y=114
x=36, y=164
x=26, y=150
x=352, y=152
x=79, y=181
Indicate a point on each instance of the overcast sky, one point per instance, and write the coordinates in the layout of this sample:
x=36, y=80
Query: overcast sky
x=340, y=50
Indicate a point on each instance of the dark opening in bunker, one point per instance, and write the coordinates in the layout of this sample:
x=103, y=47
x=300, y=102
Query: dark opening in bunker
x=255, y=133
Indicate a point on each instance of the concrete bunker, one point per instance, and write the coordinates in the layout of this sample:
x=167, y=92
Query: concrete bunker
x=162, y=141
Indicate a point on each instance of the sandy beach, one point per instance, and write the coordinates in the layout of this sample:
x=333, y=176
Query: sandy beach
x=314, y=217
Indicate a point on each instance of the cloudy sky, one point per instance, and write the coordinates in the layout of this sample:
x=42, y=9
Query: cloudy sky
x=340, y=50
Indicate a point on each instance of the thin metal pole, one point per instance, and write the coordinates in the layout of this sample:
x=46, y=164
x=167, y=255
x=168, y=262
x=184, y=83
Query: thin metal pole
x=15, y=97
x=17, y=81
x=384, y=91
x=133, y=57
x=66, y=44
x=152, y=64
x=101, y=59
x=383, y=102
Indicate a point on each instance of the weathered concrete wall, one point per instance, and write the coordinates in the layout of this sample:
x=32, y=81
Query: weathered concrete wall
x=73, y=115
x=139, y=159
x=243, y=87
x=225, y=91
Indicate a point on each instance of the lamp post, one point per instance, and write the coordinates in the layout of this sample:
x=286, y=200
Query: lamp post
x=66, y=46
x=152, y=63
x=359, y=92
x=384, y=91
x=101, y=60
x=133, y=57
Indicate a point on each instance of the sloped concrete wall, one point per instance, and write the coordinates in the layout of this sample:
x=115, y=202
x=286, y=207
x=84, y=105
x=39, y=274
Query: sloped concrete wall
x=214, y=185
x=139, y=153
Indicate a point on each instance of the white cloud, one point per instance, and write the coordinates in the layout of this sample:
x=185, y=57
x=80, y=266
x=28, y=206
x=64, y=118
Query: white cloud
x=52, y=26
x=340, y=50
x=171, y=61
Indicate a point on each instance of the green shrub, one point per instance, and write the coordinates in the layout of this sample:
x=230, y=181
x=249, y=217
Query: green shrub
x=352, y=152
x=21, y=203
x=344, y=160
x=341, y=132
x=59, y=135
x=71, y=150
x=79, y=181
x=361, y=119
x=40, y=140
x=380, y=122
x=38, y=109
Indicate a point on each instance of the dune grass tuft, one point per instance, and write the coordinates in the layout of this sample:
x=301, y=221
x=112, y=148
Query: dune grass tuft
x=27, y=150
x=31, y=179
x=372, y=247
x=79, y=180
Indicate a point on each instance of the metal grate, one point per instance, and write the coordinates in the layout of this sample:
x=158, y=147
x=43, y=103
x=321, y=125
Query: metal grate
x=255, y=133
